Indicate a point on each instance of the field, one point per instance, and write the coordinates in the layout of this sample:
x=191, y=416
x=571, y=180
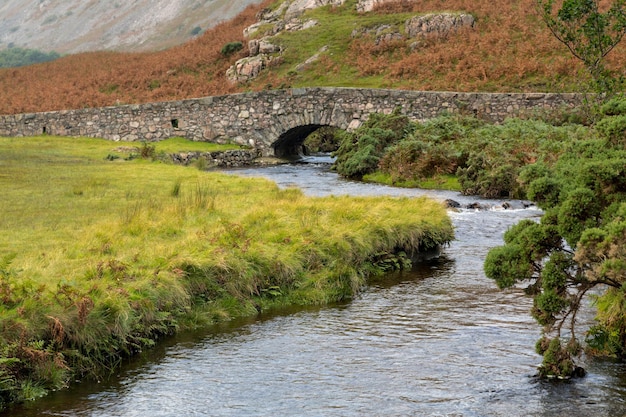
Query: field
x=99, y=257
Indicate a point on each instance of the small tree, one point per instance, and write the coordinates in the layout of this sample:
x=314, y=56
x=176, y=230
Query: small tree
x=578, y=249
x=587, y=32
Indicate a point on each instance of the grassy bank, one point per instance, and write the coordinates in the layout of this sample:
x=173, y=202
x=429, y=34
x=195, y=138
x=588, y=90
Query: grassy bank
x=99, y=257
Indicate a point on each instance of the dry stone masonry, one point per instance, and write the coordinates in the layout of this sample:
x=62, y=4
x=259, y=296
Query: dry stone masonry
x=273, y=122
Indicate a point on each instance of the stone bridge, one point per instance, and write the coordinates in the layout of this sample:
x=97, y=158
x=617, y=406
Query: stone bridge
x=275, y=122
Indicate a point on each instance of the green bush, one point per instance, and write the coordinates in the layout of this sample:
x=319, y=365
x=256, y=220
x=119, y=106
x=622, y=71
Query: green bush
x=360, y=152
x=578, y=248
x=231, y=47
x=613, y=128
x=614, y=107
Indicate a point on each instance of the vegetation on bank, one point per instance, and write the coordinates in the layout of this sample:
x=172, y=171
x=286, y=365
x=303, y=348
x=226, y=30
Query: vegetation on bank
x=509, y=49
x=573, y=167
x=100, y=257
x=576, y=252
x=455, y=151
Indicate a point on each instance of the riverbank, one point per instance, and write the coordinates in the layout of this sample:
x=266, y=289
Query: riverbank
x=99, y=257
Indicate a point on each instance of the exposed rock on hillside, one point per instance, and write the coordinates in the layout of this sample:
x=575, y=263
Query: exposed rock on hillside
x=287, y=18
x=368, y=5
x=439, y=23
x=71, y=26
x=298, y=7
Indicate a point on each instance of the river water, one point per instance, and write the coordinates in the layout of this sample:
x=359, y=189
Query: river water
x=440, y=340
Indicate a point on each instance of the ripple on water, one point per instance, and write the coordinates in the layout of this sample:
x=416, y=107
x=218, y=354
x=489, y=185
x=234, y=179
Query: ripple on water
x=441, y=340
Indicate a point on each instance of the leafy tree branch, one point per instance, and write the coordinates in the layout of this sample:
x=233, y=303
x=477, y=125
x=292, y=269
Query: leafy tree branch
x=588, y=33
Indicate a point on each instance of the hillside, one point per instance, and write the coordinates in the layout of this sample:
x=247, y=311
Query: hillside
x=507, y=49
x=72, y=26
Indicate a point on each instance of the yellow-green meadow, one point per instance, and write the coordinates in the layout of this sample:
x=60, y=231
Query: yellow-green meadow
x=101, y=256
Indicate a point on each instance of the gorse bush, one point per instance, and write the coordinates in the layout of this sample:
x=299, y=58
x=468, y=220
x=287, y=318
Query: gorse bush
x=486, y=158
x=360, y=152
x=231, y=47
x=576, y=250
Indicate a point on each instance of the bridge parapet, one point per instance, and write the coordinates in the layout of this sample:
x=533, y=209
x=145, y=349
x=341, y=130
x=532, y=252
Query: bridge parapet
x=275, y=120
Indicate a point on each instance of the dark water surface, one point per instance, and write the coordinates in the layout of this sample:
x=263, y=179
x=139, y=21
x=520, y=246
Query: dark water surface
x=440, y=340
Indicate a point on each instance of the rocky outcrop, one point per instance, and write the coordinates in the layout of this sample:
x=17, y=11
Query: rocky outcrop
x=438, y=24
x=261, y=53
x=364, y=6
x=381, y=33
x=287, y=17
x=249, y=68
x=271, y=22
x=298, y=7
x=262, y=46
x=246, y=69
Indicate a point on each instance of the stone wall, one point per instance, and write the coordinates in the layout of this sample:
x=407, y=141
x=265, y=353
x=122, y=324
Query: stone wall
x=265, y=119
x=221, y=159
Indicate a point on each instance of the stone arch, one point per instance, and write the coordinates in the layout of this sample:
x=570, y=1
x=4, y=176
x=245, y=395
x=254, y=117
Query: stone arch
x=293, y=128
x=290, y=142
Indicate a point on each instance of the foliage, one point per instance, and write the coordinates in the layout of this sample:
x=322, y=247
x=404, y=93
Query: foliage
x=105, y=257
x=19, y=57
x=359, y=152
x=325, y=139
x=487, y=159
x=231, y=47
x=578, y=246
x=589, y=34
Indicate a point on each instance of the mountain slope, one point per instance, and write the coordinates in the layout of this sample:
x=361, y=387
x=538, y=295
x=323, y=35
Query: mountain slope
x=71, y=26
x=508, y=49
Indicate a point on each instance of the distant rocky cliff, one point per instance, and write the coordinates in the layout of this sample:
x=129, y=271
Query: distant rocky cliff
x=70, y=26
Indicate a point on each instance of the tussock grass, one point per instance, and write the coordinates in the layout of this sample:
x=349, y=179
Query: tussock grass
x=100, y=258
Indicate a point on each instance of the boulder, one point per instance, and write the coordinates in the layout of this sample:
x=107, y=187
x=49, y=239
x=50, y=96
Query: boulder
x=247, y=68
x=298, y=7
x=262, y=46
x=438, y=24
x=449, y=203
x=364, y=6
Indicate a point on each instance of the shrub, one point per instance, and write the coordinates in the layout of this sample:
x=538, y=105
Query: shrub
x=231, y=47
x=613, y=128
x=614, y=107
x=360, y=151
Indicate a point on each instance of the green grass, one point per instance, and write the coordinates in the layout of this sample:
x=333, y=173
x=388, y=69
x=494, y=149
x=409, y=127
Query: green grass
x=100, y=258
x=439, y=182
x=334, y=29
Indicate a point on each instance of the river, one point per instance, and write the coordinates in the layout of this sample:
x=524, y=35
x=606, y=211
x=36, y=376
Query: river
x=440, y=340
